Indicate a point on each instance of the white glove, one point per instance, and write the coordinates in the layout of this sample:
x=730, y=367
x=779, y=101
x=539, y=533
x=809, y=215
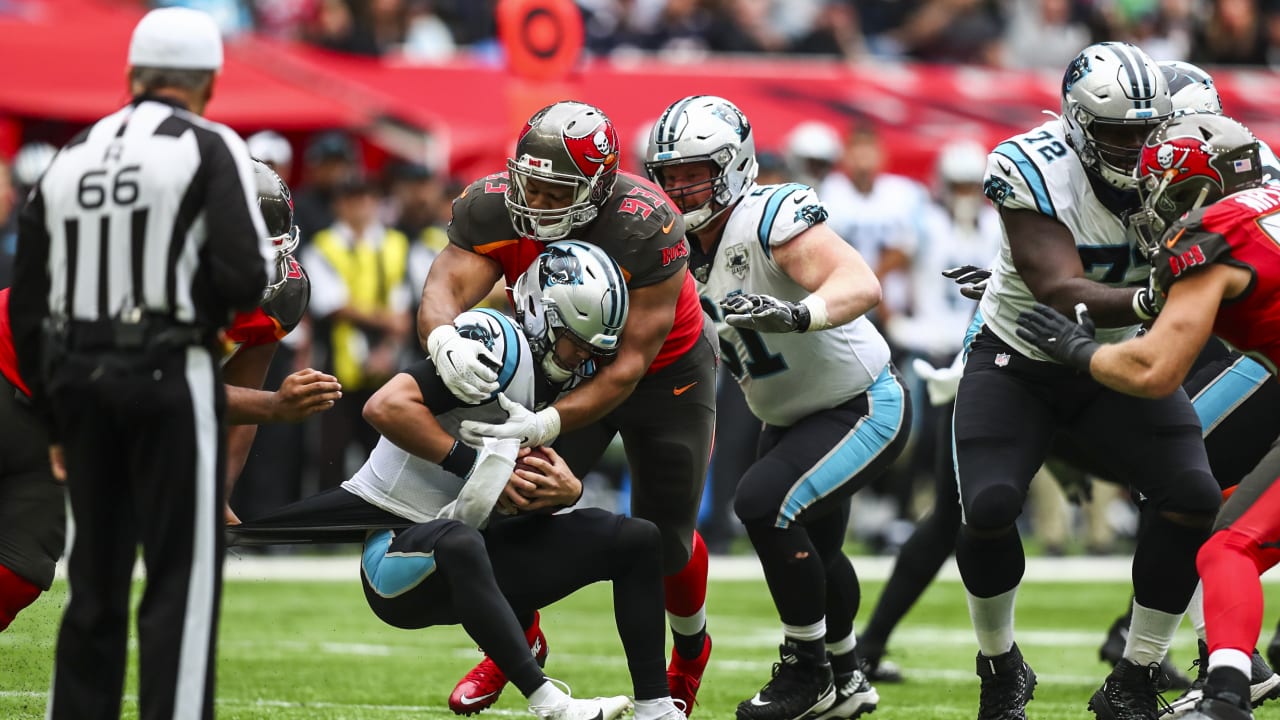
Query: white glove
x=530, y=428
x=941, y=383
x=485, y=483
x=467, y=367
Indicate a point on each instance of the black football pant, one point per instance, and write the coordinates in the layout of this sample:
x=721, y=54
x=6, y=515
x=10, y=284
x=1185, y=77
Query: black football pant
x=144, y=446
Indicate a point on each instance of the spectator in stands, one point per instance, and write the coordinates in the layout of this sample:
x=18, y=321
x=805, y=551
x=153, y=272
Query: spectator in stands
x=336, y=27
x=1233, y=34
x=329, y=157
x=1044, y=34
x=427, y=36
x=834, y=31
x=360, y=302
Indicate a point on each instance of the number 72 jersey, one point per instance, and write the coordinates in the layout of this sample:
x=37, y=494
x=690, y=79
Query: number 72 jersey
x=784, y=376
x=1039, y=172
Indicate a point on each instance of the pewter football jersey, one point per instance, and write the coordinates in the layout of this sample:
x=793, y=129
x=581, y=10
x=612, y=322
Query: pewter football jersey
x=1038, y=171
x=785, y=376
x=418, y=489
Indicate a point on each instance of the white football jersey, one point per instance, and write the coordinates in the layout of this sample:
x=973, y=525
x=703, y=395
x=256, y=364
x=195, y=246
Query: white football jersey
x=1038, y=171
x=418, y=489
x=785, y=376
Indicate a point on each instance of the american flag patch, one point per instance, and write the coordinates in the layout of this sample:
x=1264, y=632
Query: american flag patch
x=1242, y=165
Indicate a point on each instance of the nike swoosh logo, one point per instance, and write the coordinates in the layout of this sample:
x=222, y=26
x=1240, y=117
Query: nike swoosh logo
x=667, y=228
x=473, y=700
x=797, y=199
x=1007, y=170
x=681, y=390
x=755, y=700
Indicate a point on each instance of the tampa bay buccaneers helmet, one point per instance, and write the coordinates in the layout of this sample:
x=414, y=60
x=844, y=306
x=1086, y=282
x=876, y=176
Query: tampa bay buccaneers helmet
x=276, y=203
x=576, y=288
x=570, y=144
x=1187, y=163
x=1113, y=95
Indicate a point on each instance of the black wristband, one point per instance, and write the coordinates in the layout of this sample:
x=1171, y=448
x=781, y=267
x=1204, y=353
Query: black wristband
x=801, y=313
x=460, y=460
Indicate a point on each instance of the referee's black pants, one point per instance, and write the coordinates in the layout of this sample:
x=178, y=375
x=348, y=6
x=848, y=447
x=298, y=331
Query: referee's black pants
x=144, y=446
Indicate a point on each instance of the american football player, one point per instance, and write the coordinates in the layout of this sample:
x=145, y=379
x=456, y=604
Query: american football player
x=436, y=553
x=789, y=297
x=1207, y=224
x=658, y=393
x=1063, y=190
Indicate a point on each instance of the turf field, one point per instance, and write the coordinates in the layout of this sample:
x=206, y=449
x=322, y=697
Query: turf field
x=311, y=649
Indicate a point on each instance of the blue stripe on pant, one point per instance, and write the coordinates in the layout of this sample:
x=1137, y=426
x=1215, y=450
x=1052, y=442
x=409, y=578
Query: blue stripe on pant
x=869, y=437
x=1227, y=391
x=391, y=574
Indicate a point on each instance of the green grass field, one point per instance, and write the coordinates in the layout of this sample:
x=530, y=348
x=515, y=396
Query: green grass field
x=311, y=649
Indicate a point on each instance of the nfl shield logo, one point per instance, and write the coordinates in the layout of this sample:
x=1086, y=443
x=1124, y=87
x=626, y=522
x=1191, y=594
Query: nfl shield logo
x=1002, y=359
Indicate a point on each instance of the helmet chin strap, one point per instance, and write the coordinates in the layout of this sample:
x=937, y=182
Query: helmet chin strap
x=552, y=369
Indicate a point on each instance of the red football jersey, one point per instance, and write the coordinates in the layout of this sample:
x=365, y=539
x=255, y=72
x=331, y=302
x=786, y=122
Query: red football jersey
x=1241, y=230
x=8, y=358
x=638, y=227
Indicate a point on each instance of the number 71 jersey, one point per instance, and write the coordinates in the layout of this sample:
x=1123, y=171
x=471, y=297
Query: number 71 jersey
x=784, y=376
x=1039, y=172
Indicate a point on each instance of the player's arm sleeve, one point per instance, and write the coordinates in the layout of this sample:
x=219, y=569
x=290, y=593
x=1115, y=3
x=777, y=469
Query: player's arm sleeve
x=238, y=253
x=434, y=393
x=29, y=297
x=1014, y=182
x=790, y=210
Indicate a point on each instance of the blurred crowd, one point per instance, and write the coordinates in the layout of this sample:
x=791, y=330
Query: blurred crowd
x=1010, y=33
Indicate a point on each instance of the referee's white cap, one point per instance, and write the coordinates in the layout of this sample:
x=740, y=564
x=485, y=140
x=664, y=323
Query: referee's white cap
x=178, y=38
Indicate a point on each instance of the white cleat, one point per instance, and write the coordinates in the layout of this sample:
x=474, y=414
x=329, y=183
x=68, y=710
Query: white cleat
x=601, y=708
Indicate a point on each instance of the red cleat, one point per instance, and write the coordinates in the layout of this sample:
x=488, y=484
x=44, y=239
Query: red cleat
x=684, y=676
x=481, y=688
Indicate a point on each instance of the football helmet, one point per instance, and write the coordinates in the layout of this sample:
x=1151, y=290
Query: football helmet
x=570, y=144
x=1191, y=88
x=576, y=288
x=31, y=162
x=1188, y=162
x=1113, y=95
x=702, y=128
x=276, y=203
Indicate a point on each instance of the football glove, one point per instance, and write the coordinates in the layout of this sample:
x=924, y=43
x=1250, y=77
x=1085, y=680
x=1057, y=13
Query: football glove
x=530, y=428
x=765, y=313
x=1070, y=343
x=467, y=367
x=971, y=279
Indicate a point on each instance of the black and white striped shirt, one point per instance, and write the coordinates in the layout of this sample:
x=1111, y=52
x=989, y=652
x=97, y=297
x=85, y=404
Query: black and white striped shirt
x=153, y=208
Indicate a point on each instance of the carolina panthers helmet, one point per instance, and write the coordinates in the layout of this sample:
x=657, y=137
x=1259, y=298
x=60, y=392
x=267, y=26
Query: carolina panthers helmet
x=703, y=128
x=571, y=144
x=1113, y=95
x=276, y=203
x=31, y=161
x=1191, y=88
x=1188, y=162
x=572, y=287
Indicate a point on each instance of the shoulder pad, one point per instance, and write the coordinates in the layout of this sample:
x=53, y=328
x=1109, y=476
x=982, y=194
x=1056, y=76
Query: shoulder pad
x=480, y=213
x=290, y=304
x=787, y=210
x=504, y=339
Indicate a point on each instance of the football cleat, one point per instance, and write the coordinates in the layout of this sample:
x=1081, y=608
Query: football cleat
x=801, y=687
x=1112, y=652
x=1264, y=683
x=570, y=708
x=1008, y=684
x=1130, y=692
x=854, y=696
x=880, y=670
x=684, y=677
x=481, y=688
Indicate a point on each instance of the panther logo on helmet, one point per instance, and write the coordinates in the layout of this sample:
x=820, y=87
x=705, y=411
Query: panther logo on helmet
x=1075, y=71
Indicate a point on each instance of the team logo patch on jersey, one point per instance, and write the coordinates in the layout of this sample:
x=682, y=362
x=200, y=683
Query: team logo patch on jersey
x=477, y=332
x=997, y=190
x=736, y=257
x=675, y=252
x=811, y=214
x=1002, y=359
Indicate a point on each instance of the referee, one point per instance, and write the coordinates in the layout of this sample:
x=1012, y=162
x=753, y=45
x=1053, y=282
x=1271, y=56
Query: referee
x=138, y=243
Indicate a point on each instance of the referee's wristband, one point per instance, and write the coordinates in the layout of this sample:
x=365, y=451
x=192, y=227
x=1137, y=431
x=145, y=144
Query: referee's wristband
x=460, y=460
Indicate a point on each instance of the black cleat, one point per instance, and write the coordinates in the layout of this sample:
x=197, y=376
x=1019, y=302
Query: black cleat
x=1264, y=683
x=1130, y=692
x=880, y=671
x=1008, y=683
x=1112, y=652
x=855, y=696
x=802, y=685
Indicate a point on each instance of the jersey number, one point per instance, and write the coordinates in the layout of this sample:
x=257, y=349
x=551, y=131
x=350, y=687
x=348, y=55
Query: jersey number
x=1050, y=152
x=760, y=362
x=92, y=192
x=1115, y=258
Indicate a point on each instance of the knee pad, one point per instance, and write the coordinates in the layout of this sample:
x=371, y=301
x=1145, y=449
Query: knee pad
x=638, y=537
x=994, y=507
x=1195, y=494
x=15, y=594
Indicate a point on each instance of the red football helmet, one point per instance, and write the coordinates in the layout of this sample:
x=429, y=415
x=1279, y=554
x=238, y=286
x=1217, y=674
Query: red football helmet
x=570, y=144
x=1187, y=163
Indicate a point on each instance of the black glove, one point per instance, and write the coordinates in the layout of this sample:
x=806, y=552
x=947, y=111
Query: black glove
x=971, y=279
x=1070, y=343
x=765, y=313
